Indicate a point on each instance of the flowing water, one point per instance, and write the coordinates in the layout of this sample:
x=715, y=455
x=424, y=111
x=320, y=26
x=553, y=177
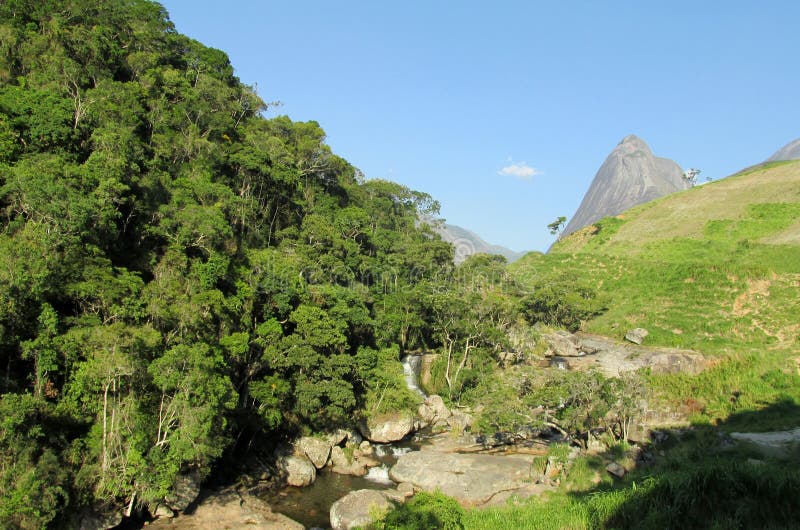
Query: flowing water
x=411, y=368
x=311, y=505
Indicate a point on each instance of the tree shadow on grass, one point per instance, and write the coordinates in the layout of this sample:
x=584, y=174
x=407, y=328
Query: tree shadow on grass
x=699, y=477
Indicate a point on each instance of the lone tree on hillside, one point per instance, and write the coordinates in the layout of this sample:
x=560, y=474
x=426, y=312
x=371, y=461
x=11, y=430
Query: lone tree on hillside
x=691, y=176
x=557, y=226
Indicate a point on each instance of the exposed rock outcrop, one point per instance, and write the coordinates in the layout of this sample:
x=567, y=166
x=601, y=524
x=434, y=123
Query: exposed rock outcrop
x=315, y=449
x=230, y=510
x=387, y=428
x=473, y=479
x=185, y=491
x=299, y=469
x=790, y=151
x=631, y=175
x=636, y=335
x=357, y=508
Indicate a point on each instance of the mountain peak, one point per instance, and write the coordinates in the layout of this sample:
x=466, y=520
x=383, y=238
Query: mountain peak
x=631, y=175
x=790, y=151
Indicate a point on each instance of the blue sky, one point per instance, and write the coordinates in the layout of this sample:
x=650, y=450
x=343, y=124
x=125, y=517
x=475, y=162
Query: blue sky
x=443, y=96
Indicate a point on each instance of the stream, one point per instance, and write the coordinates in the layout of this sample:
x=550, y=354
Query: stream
x=311, y=505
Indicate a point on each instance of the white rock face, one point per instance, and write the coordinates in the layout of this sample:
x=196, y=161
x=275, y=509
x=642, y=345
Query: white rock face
x=790, y=151
x=631, y=175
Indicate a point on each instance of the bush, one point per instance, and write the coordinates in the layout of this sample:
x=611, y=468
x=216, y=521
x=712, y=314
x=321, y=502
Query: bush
x=561, y=300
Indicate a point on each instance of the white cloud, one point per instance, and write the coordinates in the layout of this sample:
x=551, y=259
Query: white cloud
x=520, y=170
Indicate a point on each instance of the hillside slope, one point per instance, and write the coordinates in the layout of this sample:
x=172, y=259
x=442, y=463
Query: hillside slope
x=716, y=269
x=630, y=175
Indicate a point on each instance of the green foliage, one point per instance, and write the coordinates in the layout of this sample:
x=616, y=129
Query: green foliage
x=425, y=511
x=178, y=272
x=562, y=300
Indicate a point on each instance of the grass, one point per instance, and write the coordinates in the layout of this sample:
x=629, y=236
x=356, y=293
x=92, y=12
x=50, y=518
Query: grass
x=699, y=270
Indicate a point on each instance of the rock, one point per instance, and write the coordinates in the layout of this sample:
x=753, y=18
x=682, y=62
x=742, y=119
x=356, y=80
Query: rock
x=358, y=508
x=636, y=335
x=232, y=511
x=184, y=492
x=630, y=175
x=774, y=444
x=563, y=344
x=406, y=489
x=337, y=437
x=315, y=449
x=346, y=466
x=676, y=363
x=387, y=428
x=594, y=445
x=459, y=421
x=616, y=469
x=433, y=410
x=100, y=518
x=162, y=511
x=365, y=448
x=473, y=479
x=299, y=469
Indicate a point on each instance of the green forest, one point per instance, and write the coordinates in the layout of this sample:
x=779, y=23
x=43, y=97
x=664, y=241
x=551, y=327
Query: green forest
x=180, y=276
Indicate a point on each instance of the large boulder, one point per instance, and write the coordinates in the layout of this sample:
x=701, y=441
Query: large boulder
x=230, y=510
x=387, y=428
x=433, y=410
x=315, y=449
x=563, y=344
x=300, y=471
x=636, y=335
x=473, y=479
x=357, y=509
x=357, y=464
x=184, y=492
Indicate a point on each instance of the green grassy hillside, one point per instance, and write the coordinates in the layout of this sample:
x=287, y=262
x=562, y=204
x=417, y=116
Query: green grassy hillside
x=716, y=269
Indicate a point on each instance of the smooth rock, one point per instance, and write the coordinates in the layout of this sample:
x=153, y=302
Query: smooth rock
x=162, y=511
x=231, y=511
x=636, y=335
x=563, y=344
x=315, y=449
x=300, y=471
x=387, y=428
x=473, y=479
x=357, y=508
x=346, y=466
x=406, y=489
x=616, y=469
x=184, y=492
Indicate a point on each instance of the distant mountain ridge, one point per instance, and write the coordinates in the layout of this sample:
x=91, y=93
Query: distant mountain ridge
x=631, y=175
x=790, y=151
x=467, y=243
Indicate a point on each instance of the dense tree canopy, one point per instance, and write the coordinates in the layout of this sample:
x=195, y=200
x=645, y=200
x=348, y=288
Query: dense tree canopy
x=176, y=271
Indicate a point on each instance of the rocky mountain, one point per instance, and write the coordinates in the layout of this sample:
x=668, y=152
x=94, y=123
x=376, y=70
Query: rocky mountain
x=631, y=175
x=790, y=151
x=467, y=243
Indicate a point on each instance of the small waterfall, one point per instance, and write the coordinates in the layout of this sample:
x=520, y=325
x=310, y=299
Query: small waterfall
x=411, y=368
x=379, y=474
